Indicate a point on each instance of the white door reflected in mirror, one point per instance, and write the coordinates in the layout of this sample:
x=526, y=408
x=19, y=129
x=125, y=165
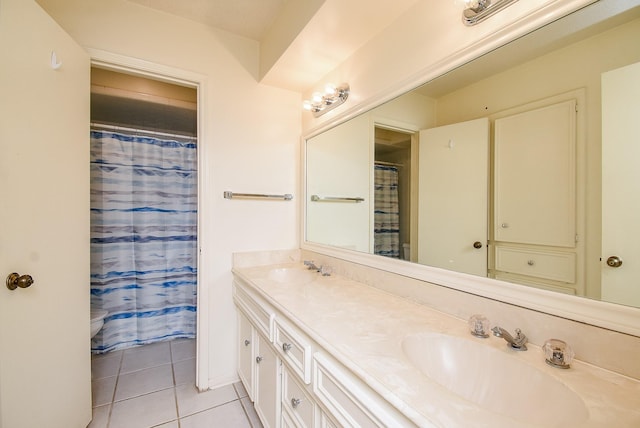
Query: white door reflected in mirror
x=620, y=184
x=454, y=171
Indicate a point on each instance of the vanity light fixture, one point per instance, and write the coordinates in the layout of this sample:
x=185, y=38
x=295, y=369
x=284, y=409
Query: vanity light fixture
x=332, y=97
x=478, y=10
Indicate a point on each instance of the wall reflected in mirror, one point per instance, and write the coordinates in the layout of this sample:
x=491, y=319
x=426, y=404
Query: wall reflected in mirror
x=497, y=168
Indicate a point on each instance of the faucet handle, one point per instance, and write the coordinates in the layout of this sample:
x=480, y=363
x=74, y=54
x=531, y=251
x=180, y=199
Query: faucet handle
x=479, y=325
x=520, y=337
x=558, y=353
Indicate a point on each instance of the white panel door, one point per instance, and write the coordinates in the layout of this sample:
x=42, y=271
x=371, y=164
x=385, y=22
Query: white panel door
x=453, y=181
x=45, y=362
x=621, y=184
x=535, y=176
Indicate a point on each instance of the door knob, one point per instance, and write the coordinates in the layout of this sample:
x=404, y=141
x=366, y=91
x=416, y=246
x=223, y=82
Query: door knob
x=614, y=261
x=15, y=280
x=477, y=244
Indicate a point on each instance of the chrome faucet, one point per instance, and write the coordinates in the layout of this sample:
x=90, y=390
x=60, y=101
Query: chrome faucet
x=518, y=343
x=324, y=270
x=311, y=265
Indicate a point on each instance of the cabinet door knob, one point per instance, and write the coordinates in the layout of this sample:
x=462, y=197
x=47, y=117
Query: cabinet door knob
x=295, y=402
x=247, y=342
x=477, y=245
x=286, y=346
x=258, y=359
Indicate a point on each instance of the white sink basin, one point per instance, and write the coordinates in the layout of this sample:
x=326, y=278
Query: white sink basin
x=494, y=380
x=292, y=275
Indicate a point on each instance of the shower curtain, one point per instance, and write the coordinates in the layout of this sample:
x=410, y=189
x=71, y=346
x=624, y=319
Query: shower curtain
x=386, y=211
x=143, y=238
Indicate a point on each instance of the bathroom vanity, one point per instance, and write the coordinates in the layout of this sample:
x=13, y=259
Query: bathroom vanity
x=323, y=351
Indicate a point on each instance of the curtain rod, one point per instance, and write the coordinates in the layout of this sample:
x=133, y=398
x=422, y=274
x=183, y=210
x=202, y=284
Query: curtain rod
x=388, y=163
x=142, y=131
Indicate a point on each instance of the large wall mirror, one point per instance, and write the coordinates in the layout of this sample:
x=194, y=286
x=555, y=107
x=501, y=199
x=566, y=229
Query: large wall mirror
x=519, y=166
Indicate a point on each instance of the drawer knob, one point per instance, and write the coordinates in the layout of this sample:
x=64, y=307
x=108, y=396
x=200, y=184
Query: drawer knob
x=247, y=342
x=295, y=402
x=531, y=262
x=286, y=346
x=258, y=359
x=504, y=225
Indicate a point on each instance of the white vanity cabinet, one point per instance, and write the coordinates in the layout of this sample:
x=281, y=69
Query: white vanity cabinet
x=267, y=384
x=295, y=382
x=246, y=354
x=258, y=364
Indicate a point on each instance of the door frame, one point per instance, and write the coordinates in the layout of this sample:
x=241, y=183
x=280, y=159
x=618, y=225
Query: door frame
x=142, y=68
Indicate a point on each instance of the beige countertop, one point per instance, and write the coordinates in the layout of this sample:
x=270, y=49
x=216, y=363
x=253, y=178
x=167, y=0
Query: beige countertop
x=363, y=328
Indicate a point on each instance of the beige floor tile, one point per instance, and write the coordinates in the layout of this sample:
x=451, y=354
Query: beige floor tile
x=191, y=401
x=145, y=357
x=185, y=372
x=102, y=391
x=144, y=381
x=227, y=415
x=100, y=417
x=106, y=366
x=144, y=411
x=183, y=349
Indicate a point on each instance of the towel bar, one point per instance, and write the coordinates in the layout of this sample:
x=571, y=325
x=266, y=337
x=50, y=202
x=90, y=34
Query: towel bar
x=316, y=198
x=232, y=195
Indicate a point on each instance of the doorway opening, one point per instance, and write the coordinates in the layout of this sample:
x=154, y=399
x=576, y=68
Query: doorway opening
x=392, y=196
x=144, y=209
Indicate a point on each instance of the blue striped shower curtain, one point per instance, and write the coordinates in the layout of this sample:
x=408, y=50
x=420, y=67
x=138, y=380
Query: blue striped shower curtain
x=143, y=238
x=386, y=211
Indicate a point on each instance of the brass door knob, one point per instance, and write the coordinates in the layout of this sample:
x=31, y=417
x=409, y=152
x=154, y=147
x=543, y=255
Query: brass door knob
x=15, y=280
x=477, y=244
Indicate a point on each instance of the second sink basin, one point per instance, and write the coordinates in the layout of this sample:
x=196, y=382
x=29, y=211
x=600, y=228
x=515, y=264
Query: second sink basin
x=494, y=380
x=292, y=275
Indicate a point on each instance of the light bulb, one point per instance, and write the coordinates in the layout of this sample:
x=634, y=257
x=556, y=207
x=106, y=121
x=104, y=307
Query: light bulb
x=466, y=4
x=330, y=89
x=316, y=97
x=307, y=105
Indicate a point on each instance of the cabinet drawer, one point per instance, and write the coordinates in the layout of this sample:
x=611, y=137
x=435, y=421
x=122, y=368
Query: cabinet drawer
x=294, y=349
x=259, y=313
x=339, y=394
x=296, y=402
x=557, y=266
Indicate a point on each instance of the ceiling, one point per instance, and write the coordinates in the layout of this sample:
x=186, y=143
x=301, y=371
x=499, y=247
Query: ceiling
x=246, y=18
x=300, y=40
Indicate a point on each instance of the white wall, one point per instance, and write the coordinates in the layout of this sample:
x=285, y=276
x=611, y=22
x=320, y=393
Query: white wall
x=250, y=134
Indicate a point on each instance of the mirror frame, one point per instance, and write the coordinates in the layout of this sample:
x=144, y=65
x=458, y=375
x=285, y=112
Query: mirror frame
x=620, y=318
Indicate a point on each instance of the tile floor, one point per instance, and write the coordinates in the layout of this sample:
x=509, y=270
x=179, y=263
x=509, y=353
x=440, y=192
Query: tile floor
x=154, y=386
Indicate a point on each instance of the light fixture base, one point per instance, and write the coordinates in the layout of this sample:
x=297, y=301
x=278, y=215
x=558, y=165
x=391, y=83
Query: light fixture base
x=328, y=101
x=483, y=10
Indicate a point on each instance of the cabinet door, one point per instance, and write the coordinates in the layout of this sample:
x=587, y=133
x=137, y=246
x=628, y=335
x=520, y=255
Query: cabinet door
x=535, y=176
x=267, y=386
x=246, y=364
